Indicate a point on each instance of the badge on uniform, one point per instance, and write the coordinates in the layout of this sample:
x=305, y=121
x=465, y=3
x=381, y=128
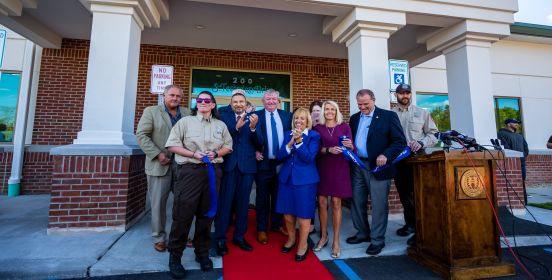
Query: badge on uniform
x=219, y=130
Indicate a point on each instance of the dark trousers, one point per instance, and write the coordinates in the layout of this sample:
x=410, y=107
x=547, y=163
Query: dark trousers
x=191, y=198
x=404, y=182
x=236, y=188
x=265, y=202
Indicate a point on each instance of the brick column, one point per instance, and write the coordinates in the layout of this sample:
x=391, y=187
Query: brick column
x=97, y=192
x=507, y=186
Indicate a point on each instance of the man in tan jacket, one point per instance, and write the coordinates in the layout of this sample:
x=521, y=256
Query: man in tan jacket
x=152, y=133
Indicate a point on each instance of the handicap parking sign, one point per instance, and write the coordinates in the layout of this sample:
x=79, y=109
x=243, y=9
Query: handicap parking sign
x=399, y=78
x=398, y=73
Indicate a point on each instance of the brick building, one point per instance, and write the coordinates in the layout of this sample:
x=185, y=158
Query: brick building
x=92, y=66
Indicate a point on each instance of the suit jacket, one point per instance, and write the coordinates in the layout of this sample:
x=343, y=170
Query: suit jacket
x=244, y=145
x=385, y=136
x=152, y=132
x=261, y=128
x=300, y=164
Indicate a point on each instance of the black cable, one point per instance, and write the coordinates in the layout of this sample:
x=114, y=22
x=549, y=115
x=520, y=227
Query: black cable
x=508, y=187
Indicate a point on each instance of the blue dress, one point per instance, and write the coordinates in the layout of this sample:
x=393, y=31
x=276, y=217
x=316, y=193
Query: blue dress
x=298, y=178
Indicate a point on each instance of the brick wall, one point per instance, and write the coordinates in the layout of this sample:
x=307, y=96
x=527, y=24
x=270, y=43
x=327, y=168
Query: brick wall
x=539, y=170
x=509, y=185
x=97, y=191
x=62, y=81
x=37, y=172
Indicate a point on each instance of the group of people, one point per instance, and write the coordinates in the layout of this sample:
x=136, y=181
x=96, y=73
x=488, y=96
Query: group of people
x=210, y=158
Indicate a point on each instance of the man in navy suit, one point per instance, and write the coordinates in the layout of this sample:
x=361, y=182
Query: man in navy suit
x=272, y=124
x=239, y=168
x=379, y=139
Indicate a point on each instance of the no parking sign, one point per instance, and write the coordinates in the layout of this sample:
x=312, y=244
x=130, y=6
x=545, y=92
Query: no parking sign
x=398, y=74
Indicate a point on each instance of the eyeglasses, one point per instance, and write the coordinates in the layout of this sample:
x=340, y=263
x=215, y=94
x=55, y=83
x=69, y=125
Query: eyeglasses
x=203, y=100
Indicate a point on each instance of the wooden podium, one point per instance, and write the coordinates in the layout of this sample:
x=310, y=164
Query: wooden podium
x=456, y=234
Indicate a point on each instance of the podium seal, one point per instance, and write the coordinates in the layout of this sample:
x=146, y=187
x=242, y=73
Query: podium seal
x=470, y=183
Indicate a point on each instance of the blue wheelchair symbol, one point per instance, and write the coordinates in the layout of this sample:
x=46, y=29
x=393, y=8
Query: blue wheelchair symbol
x=399, y=78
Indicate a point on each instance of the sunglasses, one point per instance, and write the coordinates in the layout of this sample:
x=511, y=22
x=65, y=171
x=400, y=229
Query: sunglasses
x=203, y=100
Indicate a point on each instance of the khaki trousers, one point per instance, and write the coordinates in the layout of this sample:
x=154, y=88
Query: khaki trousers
x=159, y=188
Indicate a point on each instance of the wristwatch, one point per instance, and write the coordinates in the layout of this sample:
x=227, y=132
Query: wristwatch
x=421, y=143
x=216, y=154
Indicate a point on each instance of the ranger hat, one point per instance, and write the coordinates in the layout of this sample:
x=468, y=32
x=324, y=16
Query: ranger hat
x=403, y=87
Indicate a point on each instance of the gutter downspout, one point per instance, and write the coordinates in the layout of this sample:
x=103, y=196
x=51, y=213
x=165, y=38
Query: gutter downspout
x=14, y=183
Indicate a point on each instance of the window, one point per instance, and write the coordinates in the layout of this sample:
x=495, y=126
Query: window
x=9, y=92
x=507, y=108
x=222, y=82
x=438, y=107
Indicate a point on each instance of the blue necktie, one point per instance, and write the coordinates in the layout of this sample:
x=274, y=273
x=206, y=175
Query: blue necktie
x=274, y=135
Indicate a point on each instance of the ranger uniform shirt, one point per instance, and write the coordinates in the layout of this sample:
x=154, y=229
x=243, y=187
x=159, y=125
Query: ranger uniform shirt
x=417, y=125
x=199, y=134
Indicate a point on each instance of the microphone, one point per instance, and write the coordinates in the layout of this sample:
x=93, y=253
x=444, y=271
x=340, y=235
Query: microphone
x=452, y=135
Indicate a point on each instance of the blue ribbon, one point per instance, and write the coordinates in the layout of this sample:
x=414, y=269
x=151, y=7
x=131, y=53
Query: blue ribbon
x=349, y=155
x=405, y=153
x=212, y=187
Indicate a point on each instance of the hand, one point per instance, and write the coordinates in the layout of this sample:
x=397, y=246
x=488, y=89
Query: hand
x=240, y=123
x=297, y=136
x=258, y=155
x=335, y=150
x=163, y=159
x=348, y=143
x=211, y=155
x=253, y=119
x=198, y=155
x=414, y=146
x=381, y=160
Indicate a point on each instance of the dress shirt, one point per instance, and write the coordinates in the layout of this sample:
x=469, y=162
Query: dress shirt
x=362, y=134
x=279, y=130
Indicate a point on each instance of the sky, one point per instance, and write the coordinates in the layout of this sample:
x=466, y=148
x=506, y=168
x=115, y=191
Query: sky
x=534, y=11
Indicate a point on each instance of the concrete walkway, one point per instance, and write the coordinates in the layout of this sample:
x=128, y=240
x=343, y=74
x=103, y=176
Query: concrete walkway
x=26, y=252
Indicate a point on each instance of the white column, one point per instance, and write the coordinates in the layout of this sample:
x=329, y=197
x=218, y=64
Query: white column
x=14, y=182
x=368, y=66
x=470, y=89
x=365, y=32
x=111, y=84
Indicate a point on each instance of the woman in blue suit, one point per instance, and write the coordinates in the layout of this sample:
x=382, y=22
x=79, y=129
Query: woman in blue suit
x=298, y=180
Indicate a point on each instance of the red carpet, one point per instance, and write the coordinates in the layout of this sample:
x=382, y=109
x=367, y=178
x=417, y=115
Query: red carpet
x=266, y=261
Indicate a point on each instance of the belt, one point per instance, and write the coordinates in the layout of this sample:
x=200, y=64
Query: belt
x=195, y=165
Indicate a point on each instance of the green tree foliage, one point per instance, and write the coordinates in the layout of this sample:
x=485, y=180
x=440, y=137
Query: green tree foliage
x=441, y=116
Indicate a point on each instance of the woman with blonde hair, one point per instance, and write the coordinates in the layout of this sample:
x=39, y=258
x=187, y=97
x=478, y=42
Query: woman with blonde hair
x=335, y=179
x=298, y=180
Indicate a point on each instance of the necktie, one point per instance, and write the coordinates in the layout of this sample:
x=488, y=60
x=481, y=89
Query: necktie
x=275, y=145
x=238, y=118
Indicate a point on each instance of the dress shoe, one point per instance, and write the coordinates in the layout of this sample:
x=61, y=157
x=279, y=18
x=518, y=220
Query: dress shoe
x=262, y=237
x=374, y=249
x=176, y=269
x=336, y=254
x=300, y=258
x=320, y=246
x=205, y=263
x=405, y=230
x=356, y=240
x=411, y=241
x=287, y=249
x=243, y=244
x=160, y=246
x=221, y=248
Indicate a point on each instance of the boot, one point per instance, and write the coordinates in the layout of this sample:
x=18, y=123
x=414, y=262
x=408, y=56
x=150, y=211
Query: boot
x=175, y=266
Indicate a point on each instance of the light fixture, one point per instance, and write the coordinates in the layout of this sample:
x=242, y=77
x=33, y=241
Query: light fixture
x=199, y=26
x=292, y=35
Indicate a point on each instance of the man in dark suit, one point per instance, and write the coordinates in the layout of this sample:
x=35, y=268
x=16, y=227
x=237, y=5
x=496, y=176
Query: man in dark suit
x=239, y=168
x=379, y=139
x=272, y=124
